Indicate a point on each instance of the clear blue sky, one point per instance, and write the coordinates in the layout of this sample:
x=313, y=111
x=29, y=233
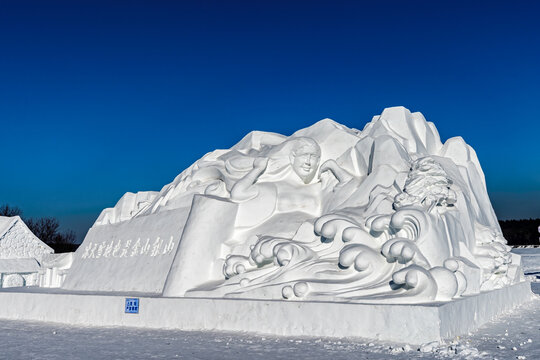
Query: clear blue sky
x=99, y=98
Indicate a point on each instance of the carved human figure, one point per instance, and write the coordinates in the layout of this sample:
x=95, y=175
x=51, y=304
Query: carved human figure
x=275, y=197
x=287, y=189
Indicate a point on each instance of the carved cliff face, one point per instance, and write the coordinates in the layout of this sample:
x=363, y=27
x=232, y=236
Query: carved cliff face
x=305, y=159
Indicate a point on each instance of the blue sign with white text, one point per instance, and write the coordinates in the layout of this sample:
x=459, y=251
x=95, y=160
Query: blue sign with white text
x=132, y=305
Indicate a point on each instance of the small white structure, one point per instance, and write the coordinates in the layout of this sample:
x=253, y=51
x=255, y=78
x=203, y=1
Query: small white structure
x=18, y=272
x=53, y=269
x=20, y=253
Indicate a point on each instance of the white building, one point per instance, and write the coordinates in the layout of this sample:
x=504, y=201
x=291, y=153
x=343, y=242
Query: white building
x=21, y=253
x=54, y=268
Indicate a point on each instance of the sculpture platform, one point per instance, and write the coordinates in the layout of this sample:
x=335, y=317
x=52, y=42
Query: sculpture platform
x=412, y=323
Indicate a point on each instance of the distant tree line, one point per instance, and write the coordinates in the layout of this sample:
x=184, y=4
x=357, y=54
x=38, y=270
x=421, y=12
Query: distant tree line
x=46, y=229
x=521, y=232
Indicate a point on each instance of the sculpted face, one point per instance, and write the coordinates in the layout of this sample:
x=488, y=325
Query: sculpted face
x=305, y=159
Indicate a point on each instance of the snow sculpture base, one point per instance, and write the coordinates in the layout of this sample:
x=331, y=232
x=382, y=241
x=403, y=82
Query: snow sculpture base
x=414, y=324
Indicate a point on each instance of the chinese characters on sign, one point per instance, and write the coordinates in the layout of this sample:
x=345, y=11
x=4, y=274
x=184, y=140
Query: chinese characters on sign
x=132, y=305
x=128, y=248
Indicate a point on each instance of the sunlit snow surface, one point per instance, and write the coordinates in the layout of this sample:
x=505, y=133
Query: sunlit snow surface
x=512, y=336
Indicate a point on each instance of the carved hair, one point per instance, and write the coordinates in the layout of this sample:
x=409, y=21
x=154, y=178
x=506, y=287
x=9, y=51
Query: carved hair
x=305, y=142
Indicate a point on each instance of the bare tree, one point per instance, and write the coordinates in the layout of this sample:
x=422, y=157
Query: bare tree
x=7, y=210
x=65, y=238
x=46, y=229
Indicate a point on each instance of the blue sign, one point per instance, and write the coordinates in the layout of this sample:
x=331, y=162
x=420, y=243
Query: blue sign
x=132, y=305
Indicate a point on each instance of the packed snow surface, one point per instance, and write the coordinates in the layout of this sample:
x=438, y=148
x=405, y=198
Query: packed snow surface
x=513, y=336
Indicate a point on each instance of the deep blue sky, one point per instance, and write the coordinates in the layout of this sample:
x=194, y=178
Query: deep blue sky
x=100, y=98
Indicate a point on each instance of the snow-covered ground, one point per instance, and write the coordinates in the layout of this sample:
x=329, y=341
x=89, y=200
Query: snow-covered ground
x=513, y=336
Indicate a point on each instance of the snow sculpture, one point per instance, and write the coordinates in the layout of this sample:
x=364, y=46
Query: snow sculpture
x=127, y=207
x=53, y=269
x=12, y=280
x=17, y=241
x=388, y=214
x=18, y=272
x=20, y=253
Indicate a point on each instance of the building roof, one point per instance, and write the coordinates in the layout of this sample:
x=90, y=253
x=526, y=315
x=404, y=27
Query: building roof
x=6, y=222
x=17, y=240
x=28, y=265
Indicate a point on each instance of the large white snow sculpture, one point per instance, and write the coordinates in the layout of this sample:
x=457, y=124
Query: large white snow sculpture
x=388, y=214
